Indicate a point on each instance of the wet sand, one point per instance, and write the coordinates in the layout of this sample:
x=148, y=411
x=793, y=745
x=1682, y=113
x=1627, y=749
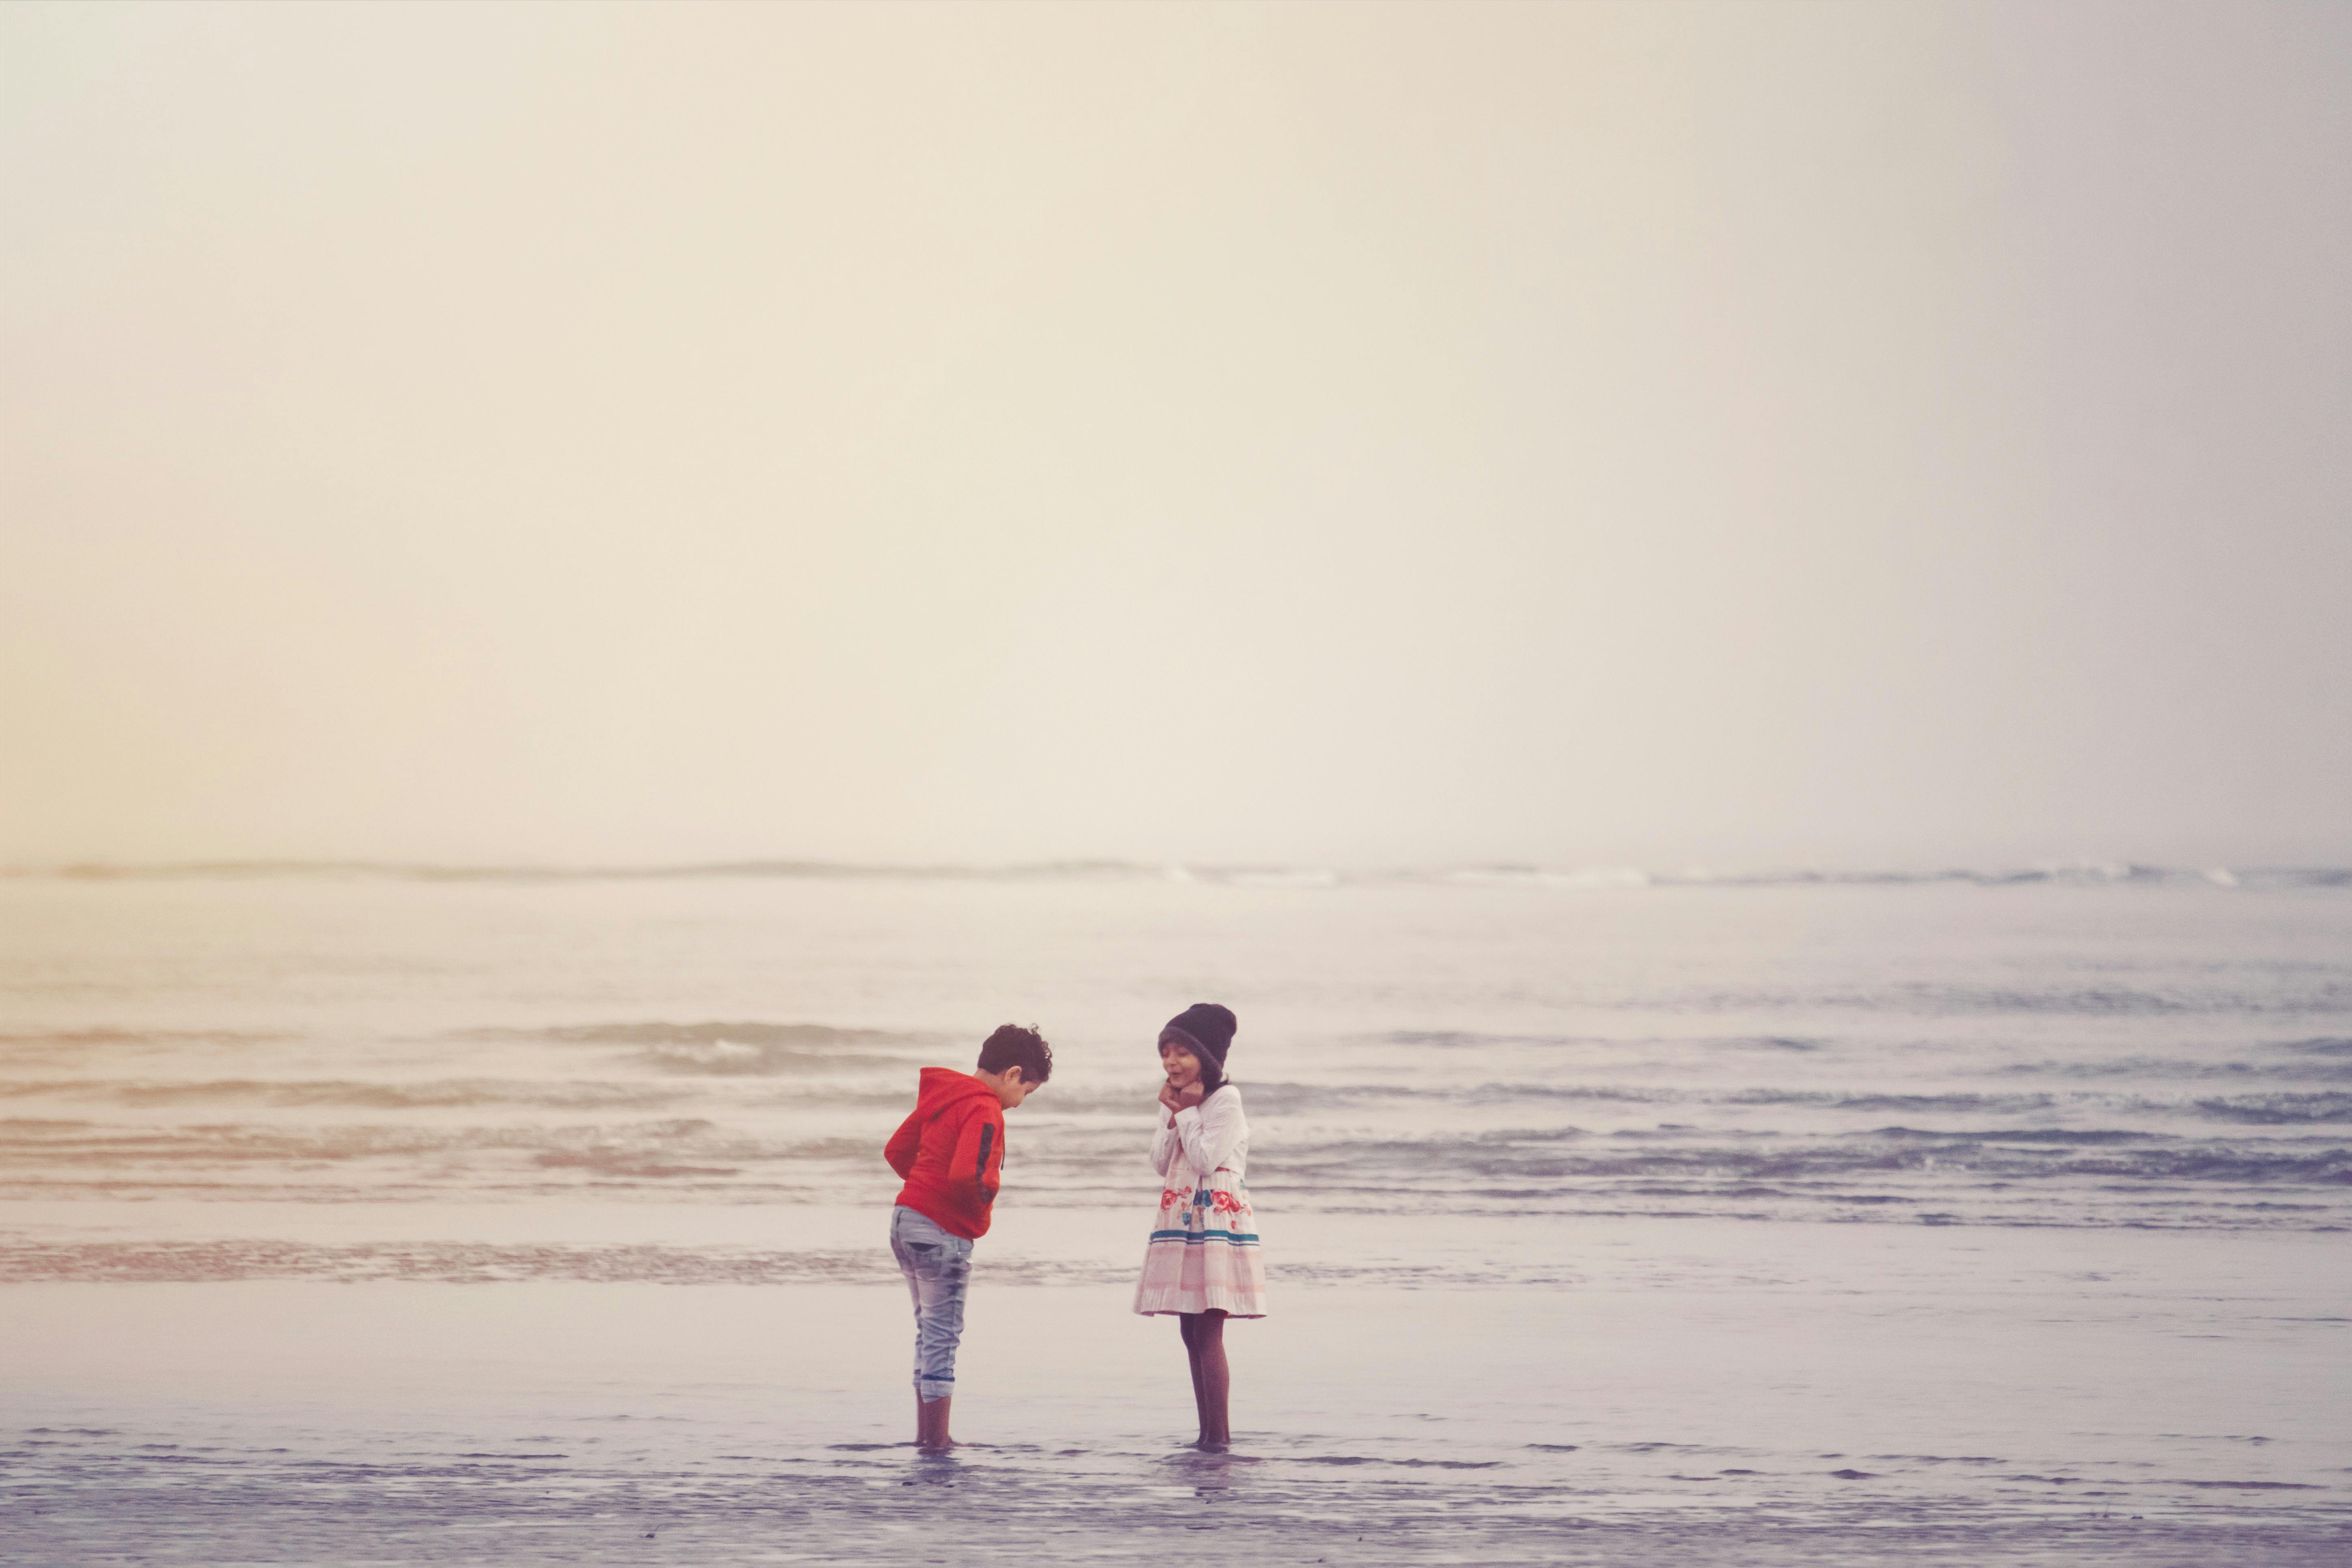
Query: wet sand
x=1703, y=1391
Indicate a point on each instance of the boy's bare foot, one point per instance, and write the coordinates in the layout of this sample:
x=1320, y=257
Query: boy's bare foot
x=931, y=1425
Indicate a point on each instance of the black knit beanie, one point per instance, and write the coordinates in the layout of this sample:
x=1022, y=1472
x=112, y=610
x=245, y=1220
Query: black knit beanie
x=1208, y=1025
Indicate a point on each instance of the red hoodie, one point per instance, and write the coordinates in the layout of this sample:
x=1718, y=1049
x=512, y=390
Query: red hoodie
x=952, y=1151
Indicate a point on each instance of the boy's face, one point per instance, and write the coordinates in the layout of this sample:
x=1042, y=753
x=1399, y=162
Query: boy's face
x=1011, y=1086
x=1182, y=1068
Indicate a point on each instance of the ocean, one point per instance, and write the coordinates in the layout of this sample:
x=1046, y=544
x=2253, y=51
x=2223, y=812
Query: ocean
x=361, y=1213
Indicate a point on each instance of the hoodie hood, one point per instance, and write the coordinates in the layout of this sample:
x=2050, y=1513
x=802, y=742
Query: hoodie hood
x=941, y=1088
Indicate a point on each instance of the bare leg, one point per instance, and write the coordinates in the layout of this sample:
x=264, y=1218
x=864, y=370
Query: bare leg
x=1212, y=1377
x=931, y=1422
x=1187, y=1325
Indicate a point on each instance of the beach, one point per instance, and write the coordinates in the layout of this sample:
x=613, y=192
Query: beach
x=400, y=1217
x=1720, y=629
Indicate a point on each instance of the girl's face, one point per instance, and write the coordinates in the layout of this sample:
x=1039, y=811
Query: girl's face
x=1184, y=1068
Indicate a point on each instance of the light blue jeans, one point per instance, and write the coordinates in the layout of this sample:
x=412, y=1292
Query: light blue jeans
x=937, y=1265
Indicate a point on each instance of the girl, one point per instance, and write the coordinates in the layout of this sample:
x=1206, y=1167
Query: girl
x=1202, y=1264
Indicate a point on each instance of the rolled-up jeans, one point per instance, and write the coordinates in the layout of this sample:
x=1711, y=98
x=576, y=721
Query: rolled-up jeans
x=937, y=1265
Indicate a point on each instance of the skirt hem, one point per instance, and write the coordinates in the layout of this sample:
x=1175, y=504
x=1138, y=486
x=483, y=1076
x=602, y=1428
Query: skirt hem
x=1231, y=1308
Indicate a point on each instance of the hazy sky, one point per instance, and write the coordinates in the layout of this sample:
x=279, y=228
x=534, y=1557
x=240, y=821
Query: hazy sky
x=1568, y=433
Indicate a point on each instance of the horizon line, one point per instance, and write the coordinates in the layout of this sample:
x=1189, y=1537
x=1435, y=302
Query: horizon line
x=1458, y=873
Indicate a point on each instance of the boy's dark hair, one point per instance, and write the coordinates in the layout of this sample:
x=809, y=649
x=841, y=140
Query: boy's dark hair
x=1015, y=1046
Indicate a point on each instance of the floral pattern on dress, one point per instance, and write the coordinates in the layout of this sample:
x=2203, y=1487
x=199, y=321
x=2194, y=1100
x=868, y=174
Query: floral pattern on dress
x=1203, y=1255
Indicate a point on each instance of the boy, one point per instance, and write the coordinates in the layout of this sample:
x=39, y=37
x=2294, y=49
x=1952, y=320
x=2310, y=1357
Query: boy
x=952, y=1152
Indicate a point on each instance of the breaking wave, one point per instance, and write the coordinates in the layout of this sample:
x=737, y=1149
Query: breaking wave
x=736, y=1049
x=439, y=1095
x=1574, y=878
x=483, y=1263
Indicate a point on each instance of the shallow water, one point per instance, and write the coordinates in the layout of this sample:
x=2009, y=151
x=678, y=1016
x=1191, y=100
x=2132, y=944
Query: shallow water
x=1774, y=1221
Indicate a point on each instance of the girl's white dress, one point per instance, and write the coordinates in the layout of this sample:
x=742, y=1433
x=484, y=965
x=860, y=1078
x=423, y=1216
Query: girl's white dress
x=1203, y=1252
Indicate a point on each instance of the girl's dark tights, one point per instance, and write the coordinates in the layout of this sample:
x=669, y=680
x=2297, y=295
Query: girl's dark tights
x=1213, y=1379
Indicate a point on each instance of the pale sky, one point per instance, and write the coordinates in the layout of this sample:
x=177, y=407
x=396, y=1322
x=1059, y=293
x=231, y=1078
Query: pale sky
x=1573, y=434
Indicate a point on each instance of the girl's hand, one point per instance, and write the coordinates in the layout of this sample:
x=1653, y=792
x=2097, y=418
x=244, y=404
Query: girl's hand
x=1169, y=1096
x=1191, y=1094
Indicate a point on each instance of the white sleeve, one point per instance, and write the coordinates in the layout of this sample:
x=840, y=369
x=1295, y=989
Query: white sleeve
x=1163, y=1144
x=1210, y=1131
